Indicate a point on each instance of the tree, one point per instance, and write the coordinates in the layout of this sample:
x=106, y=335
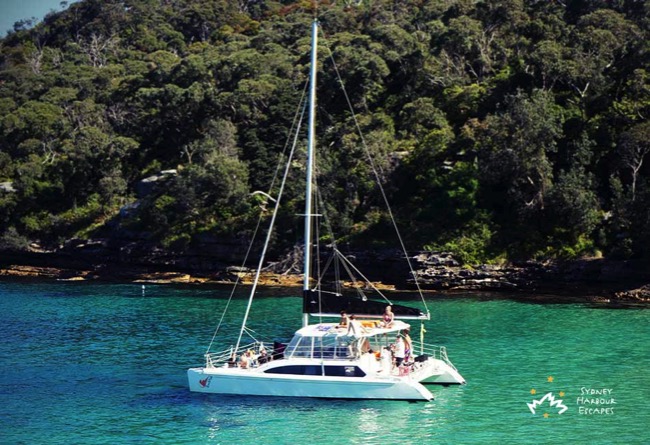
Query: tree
x=503, y=125
x=635, y=145
x=517, y=146
x=515, y=152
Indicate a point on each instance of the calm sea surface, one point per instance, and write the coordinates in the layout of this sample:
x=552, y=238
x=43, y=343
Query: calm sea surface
x=95, y=363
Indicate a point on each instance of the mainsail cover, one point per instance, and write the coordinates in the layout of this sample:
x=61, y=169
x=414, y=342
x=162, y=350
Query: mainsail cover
x=325, y=303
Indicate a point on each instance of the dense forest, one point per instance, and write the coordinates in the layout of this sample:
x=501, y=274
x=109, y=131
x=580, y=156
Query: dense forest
x=504, y=129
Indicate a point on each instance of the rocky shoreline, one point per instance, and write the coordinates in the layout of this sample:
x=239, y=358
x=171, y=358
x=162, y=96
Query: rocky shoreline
x=599, y=281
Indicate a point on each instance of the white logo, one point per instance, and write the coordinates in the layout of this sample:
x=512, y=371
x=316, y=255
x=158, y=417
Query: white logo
x=552, y=401
x=592, y=401
x=551, y=398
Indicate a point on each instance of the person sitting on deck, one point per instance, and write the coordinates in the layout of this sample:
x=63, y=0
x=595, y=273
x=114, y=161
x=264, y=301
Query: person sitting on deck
x=345, y=320
x=243, y=361
x=388, y=317
x=247, y=360
x=263, y=356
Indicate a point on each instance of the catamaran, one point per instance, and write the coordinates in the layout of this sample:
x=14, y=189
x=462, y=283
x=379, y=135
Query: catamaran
x=368, y=356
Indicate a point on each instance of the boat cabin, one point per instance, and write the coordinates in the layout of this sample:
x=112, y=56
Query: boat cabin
x=331, y=342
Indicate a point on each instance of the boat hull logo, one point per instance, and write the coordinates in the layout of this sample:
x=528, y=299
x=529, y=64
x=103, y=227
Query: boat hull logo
x=205, y=383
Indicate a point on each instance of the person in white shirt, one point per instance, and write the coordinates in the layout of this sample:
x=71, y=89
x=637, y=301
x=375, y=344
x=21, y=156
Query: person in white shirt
x=354, y=330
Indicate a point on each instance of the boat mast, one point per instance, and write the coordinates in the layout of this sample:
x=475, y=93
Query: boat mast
x=311, y=141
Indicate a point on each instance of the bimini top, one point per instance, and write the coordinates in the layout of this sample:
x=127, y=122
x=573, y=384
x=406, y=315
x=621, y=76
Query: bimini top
x=331, y=304
x=369, y=329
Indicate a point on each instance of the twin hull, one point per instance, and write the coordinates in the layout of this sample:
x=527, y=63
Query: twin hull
x=255, y=381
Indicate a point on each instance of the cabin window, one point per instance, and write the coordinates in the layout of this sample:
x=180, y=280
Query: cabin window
x=328, y=347
x=330, y=371
x=299, y=347
x=331, y=347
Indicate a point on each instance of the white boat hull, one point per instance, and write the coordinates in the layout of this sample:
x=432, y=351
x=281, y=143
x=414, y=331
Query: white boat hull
x=339, y=372
x=436, y=371
x=256, y=382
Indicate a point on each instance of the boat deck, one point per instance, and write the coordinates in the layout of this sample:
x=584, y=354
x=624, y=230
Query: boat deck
x=369, y=328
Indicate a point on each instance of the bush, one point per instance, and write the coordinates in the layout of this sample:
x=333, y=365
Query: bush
x=471, y=246
x=12, y=240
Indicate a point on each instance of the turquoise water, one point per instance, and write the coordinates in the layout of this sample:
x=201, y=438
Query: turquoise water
x=89, y=363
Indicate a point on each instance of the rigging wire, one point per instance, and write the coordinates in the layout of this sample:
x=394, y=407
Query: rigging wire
x=318, y=253
x=295, y=126
x=330, y=232
x=232, y=292
x=269, y=232
x=349, y=264
x=377, y=177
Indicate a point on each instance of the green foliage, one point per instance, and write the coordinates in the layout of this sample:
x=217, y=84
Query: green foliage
x=13, y=241
x=497, y=128
x=472, y=245
x=583, y=247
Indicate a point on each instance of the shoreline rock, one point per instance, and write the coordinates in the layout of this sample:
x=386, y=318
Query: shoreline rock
x=640, y=295
x=598, y=281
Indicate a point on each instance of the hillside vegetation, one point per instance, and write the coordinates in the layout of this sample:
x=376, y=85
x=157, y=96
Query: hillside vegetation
x=503, y=129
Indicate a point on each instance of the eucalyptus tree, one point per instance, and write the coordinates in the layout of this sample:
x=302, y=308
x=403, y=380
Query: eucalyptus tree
x=516, y=146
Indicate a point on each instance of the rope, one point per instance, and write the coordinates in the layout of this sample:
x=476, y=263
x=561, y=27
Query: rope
x=377, y=177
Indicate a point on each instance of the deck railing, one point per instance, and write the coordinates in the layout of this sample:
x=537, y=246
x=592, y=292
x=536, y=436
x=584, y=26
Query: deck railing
x=435, y=351
x=232, y=358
